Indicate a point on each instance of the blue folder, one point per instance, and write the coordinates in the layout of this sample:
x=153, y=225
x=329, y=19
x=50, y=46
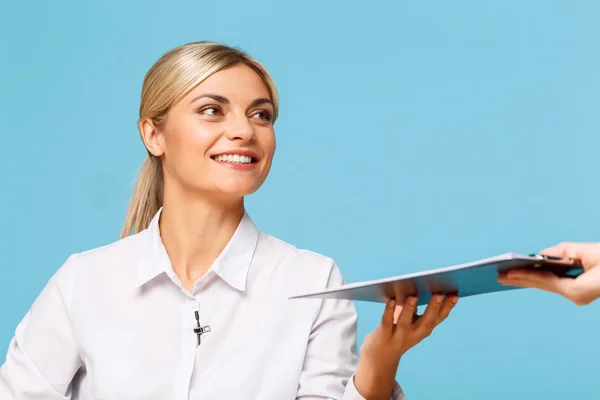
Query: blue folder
x=474, y=278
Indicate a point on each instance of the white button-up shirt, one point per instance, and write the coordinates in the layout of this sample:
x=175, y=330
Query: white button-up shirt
x=116, y=323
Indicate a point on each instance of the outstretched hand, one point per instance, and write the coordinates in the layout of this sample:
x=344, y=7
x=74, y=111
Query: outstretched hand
x=581, y=290
x=382, y=349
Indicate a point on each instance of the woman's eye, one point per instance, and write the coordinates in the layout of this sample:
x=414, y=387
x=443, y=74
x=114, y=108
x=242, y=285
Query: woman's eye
x=263, y=115
x=209, y=110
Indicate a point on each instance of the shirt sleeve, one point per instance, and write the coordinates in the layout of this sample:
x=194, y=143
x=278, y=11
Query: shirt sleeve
x=352, y=394
x=42, y=357
x=331, y=355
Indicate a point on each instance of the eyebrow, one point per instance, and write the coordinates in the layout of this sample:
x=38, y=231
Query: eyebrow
x=261, y=101
x=215, y=97
x=225, y=100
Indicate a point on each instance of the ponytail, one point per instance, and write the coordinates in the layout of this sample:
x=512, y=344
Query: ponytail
x=147, y=197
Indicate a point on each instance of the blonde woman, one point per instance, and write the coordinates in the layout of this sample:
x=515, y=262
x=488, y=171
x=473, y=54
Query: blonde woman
x=192, y=301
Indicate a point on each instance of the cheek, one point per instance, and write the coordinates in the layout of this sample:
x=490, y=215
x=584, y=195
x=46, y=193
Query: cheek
x=186, y=147
x=269, y=144
x=204, y=136
x=189, y=139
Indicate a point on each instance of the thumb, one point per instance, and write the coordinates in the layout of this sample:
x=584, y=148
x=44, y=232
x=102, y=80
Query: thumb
x=587, y=253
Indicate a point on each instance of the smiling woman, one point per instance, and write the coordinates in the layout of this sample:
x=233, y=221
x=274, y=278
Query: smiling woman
x=209, y=92
x=164, y=312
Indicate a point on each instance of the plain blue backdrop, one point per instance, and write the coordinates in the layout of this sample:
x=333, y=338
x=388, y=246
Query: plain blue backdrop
x=413, y=135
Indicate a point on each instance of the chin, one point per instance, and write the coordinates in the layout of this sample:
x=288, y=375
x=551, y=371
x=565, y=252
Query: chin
x=236, y=191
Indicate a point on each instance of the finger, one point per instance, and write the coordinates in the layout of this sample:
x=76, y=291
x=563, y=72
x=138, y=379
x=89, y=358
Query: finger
x=587, y=253
x=525, y=274
x=406, y=315
x=397, y=312
x=559, y=250
x=528, y=274
x=448, y=305
x=534, y=279
x=387, y=319
x=424, y=326
x=571, y=289
x=523, y=283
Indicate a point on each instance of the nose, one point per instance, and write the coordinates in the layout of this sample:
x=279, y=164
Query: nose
x=240, y=129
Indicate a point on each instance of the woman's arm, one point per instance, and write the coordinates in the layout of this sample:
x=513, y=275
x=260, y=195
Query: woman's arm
x=42, y=357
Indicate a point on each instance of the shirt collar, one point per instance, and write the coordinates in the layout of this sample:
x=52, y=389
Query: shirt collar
x=232, y=265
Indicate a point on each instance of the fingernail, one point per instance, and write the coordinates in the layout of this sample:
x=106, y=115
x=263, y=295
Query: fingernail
x=438, y=298
x=455, y=300
x=391, y=303
x=412, y=301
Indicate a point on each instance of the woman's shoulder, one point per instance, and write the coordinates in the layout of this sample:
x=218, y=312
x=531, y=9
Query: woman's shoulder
x=283, y=250
x=298, y=263
x=95, y=272
x=118, y=251
x=116, y=259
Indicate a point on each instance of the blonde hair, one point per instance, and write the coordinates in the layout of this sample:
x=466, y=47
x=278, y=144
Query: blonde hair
x=172, y=77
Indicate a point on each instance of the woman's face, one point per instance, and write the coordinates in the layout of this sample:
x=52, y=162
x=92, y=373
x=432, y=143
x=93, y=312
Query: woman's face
x=219, y=138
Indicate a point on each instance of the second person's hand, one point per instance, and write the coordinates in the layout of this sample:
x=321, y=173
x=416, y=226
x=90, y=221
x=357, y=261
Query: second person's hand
x=581, y=290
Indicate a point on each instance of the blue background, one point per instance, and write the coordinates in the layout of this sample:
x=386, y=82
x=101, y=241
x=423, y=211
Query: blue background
x=413, y=135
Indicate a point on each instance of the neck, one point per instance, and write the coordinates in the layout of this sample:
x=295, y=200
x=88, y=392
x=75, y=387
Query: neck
x=195, y=230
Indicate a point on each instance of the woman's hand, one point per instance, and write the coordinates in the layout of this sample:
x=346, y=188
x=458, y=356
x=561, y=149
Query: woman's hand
x=581, y=290
x=382, y=349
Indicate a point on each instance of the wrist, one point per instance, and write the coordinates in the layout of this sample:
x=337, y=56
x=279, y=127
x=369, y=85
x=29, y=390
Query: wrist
x=375, y=381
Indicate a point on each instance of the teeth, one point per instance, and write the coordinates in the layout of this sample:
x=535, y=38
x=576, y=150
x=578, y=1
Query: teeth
x=234, y=159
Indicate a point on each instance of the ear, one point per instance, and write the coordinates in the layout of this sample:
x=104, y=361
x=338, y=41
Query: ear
x=151, y=137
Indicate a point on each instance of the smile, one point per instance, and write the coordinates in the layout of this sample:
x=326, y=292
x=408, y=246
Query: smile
x=234, y=159
x=238, y=160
